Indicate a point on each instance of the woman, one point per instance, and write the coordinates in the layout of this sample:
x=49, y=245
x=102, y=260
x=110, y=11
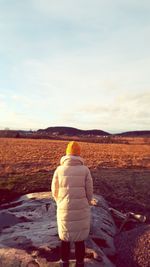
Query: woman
x=72, y=189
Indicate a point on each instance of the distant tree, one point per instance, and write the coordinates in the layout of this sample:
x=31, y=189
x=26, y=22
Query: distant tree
x=17, y=135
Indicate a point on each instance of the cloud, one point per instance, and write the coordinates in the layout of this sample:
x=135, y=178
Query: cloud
x=80, y=9
x=2, y=104
x=67, y=96
x=22, y=100
x=19, y=120
x=72, y=62
x=127, y=112
x=142, y=98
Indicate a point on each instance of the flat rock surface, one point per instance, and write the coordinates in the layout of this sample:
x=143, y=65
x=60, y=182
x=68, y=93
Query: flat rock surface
x=29, y=234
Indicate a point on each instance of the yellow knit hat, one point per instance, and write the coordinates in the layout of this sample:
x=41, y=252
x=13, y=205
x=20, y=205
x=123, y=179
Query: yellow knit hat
x=73, y=148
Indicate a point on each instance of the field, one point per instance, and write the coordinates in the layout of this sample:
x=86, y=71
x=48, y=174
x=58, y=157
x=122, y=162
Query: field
x=121, y=172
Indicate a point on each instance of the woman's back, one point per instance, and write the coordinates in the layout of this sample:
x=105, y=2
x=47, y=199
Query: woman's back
x=73, y=211
x=72, y=179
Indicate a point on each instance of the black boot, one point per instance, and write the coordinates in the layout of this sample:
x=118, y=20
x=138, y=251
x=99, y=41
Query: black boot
x=79, y=264
x=64, y=263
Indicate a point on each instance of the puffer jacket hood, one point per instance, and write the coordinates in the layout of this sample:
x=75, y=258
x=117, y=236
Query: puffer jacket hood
x=71, y=160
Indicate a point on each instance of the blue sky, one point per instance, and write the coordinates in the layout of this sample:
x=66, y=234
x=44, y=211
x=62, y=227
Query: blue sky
x=78, y=63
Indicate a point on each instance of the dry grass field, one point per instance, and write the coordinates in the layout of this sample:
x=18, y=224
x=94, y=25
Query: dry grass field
x=121, y=172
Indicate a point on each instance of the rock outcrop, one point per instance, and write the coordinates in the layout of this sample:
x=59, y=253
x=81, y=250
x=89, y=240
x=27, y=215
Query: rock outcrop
x=29, y=234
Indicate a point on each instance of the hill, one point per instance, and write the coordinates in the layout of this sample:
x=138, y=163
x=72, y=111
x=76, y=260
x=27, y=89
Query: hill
x=67, y=133
x=71, y=131
x=135, y=134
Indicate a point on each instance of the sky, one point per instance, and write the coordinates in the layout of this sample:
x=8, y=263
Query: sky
x=77, y=63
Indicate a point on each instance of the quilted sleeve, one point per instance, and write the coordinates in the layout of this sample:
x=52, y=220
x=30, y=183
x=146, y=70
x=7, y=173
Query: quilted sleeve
x=55, y=185
x=89, y=186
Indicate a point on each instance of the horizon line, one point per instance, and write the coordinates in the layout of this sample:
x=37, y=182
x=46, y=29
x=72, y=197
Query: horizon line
x=93, y=129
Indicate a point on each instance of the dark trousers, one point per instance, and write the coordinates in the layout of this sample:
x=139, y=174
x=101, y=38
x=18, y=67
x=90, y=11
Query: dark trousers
x=79, y=251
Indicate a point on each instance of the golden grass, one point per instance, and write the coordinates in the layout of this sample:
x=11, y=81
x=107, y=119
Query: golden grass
x=28, y=156
x=120, y=171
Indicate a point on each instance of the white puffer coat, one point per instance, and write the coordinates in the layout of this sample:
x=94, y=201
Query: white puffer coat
x=72, y=188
